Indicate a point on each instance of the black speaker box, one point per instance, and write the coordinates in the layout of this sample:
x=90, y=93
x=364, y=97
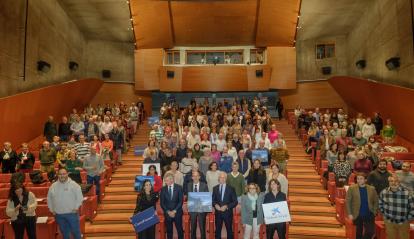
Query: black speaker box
x=361, y=64
x=393, y=63
x=326, y=70
x=170, y=74
x=259, y=73
x=106, y=73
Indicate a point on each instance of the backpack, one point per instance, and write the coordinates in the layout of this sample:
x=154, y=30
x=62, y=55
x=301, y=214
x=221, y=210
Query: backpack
x=36, y=177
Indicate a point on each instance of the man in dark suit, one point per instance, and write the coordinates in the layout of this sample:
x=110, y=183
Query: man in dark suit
x=224, y=200
x=197, y=186
x=172, y=205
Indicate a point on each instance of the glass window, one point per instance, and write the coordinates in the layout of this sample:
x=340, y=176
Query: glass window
x=196, y=57
x=215, y=57
x=325, y=51
x=235, y=57
x=172, y=57
x=257, y=56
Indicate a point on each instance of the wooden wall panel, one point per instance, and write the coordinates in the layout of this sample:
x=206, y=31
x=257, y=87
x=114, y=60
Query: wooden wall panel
x=147, y=64
x=312, y=94
x=282, y=60
x=391, y=101
x=277, y=22
x=214, y=78
x=152, y=24
x=22, y=116
x=171, y=84
x=117, y=92
x=258, y=83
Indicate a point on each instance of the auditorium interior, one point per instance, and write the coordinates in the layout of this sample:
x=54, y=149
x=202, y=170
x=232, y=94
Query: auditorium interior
x=284, y=57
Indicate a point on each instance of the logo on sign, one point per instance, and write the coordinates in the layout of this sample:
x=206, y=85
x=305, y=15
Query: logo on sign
x=275, y=211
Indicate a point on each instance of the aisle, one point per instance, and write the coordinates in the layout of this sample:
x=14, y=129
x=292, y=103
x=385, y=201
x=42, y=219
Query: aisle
x=119, y=201
x=313, y=216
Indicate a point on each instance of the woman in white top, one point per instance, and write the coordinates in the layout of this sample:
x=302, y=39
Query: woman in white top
x=212, y=176
x=188, y=162
x=275, y=174
x=232, y=151
x=147, y=150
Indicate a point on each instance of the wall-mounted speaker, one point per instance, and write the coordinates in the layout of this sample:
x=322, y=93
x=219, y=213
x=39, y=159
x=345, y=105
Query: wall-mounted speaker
x=106, y=73
x=170, y=74
x=326, y=70
x=259, y=73
x=393, y=63
x=73, y=66
x=43, y=66
x=361, y=64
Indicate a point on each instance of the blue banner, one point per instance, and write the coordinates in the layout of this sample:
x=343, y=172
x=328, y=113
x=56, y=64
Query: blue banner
x=144, y=219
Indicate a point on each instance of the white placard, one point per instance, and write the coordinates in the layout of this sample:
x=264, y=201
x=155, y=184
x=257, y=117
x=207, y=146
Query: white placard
x=145, y=167
x=41, y=220
x=276, y=212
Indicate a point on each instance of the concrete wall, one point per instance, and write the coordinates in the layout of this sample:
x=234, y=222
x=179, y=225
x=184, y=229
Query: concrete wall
x=309, y=68
x=383, y=32
x=118, y=57
x=51, y=36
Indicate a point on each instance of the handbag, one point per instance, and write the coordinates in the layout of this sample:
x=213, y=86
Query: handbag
x=36, y=177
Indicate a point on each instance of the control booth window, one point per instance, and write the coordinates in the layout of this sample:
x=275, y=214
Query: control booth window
x=325, y=51
x=257, y=56
x=215, y=57
x=172, y=57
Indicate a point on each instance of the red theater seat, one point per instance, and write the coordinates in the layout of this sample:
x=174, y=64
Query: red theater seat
x=43, y=230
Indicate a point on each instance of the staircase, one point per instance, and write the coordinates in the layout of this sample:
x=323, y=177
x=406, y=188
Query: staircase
x=312, y=214
x=112, y=220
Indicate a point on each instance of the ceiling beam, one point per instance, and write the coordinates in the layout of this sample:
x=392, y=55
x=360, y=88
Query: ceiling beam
x=171, y=22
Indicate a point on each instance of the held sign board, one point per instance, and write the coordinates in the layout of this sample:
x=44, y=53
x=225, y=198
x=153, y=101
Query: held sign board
x=276, y=212
x=144, y=219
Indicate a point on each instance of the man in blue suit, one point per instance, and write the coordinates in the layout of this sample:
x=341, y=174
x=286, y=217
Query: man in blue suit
x=224, y=200
x=172, y=205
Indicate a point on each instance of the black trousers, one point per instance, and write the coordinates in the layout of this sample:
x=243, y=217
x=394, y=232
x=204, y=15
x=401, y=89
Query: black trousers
x=178, y=221
x=201, y=218
x=365, y=226
x=148, y=233
x=29, y=223
x=280, y=229
x=227, y=219
x=8, y=166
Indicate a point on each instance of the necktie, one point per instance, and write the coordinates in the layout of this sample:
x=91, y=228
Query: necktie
x=195, y=188
x=221, y=192
x=171, y=192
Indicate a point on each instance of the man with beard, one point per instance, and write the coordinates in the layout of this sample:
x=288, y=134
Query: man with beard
x=379, y=177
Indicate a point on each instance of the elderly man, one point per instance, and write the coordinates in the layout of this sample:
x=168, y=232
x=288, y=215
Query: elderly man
x=8, y=159
x=193, y=138
x=197, y=185
x=396, y=204
x=358, y=140
x=265, y=140
x=64, y=129
x=91, y=129
x=77, y=127
x=281, y=156
x=82, y=148
x=224, y=200
x=64, y=199
x=26, y=159
x=106, y=126
x=47, y=158
x=221, y=142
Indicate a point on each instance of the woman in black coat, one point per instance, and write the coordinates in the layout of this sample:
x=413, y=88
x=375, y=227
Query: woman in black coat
x=275, y=195
x=257, y=175
x=146, y=199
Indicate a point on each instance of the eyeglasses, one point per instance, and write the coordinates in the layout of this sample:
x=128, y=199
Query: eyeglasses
x=252, y=188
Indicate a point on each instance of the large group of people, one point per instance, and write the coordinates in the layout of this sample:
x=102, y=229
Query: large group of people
x=355, y=145
x=213, y=148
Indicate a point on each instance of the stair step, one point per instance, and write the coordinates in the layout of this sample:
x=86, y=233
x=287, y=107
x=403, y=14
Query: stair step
x=316, y=232
x=111, y=237
x=123, y=182
x=113, y=218
x=301, y=183
x=307, y=200
x=294, y=176
x=123, y=175
x=301, y=170
x=120, y=198
x=119, y=190
x=316, y=221
x=115, y=208
x=116, y=230
x=313, y=210
x=307, y=191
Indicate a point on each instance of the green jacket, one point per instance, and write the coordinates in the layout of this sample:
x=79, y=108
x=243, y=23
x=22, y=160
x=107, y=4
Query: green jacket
x=47, y=157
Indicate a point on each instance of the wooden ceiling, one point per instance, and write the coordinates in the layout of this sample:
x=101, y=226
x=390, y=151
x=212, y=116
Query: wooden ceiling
x=169, y=23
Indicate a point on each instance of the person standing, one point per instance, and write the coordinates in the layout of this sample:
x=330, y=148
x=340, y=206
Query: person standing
x=147, y=198
x=64, y=199
x=8, y=159
x=21, y=208
x=396, y=204
x=379, y=177
x=406, y=177
x=197, y=186
x=280, y=155
x=251, y=210
x=94, y=166
x=224, y=200
x=26, y=159
x=275, y=195
x=50, y=129
x=236, y=180
x=362, y=205
x=172, y=204
x=64, y=131
x=47, y=158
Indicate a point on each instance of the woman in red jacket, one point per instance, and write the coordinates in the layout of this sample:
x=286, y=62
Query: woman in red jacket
x=157, y=179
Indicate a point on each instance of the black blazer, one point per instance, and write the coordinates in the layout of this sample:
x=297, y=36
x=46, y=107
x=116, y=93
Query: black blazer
x=177, y=200
x=202, y=187
x=229, y=199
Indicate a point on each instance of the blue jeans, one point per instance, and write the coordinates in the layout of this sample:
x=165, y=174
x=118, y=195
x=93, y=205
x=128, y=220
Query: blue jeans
x=95, y=180
x=69, y=224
